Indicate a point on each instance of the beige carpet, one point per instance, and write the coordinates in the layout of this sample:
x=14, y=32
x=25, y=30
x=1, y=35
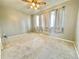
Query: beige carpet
x=37, y=46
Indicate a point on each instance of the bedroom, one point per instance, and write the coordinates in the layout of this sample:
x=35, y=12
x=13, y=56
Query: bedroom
x=49, y=32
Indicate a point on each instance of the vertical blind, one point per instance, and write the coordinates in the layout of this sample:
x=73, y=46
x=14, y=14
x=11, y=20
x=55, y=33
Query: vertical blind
x=52, y=21
x=59, y=23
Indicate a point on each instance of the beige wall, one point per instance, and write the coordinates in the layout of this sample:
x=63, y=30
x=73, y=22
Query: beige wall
x=77, y=32
x=70, y=20
x=14, y=22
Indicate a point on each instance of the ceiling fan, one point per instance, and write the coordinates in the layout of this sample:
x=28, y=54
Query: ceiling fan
x=35, y=4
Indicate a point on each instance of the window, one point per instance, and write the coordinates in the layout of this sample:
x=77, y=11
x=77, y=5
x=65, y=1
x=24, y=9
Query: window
x=42, y=21
x=57, y=20
x=59, y=24
x=63, y=18
x=52, y=20
x=37, y=20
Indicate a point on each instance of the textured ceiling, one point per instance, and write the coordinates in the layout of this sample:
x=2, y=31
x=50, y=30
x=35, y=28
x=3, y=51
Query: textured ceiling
x=22, y=6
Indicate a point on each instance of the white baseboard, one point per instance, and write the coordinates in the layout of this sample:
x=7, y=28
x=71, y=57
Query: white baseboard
x=66, y=40
x=46, y=33
x=61, y=39
x=70, y=42
x=76, y=50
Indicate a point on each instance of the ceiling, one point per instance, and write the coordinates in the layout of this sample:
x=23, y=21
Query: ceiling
x=22, y=6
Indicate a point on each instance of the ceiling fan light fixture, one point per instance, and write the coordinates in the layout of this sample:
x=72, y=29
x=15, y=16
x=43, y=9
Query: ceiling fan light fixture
x=38, y=5
x=35, y=8
x=33, y=4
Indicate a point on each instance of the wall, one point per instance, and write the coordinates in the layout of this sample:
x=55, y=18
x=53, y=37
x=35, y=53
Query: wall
x=14, y=22
x=70, y=20
x=77, y=32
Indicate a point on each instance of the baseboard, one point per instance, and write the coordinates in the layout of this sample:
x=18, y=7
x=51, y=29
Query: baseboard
x=70, y=42
x=65, y=40
x=59, y=38
x=76, y=49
